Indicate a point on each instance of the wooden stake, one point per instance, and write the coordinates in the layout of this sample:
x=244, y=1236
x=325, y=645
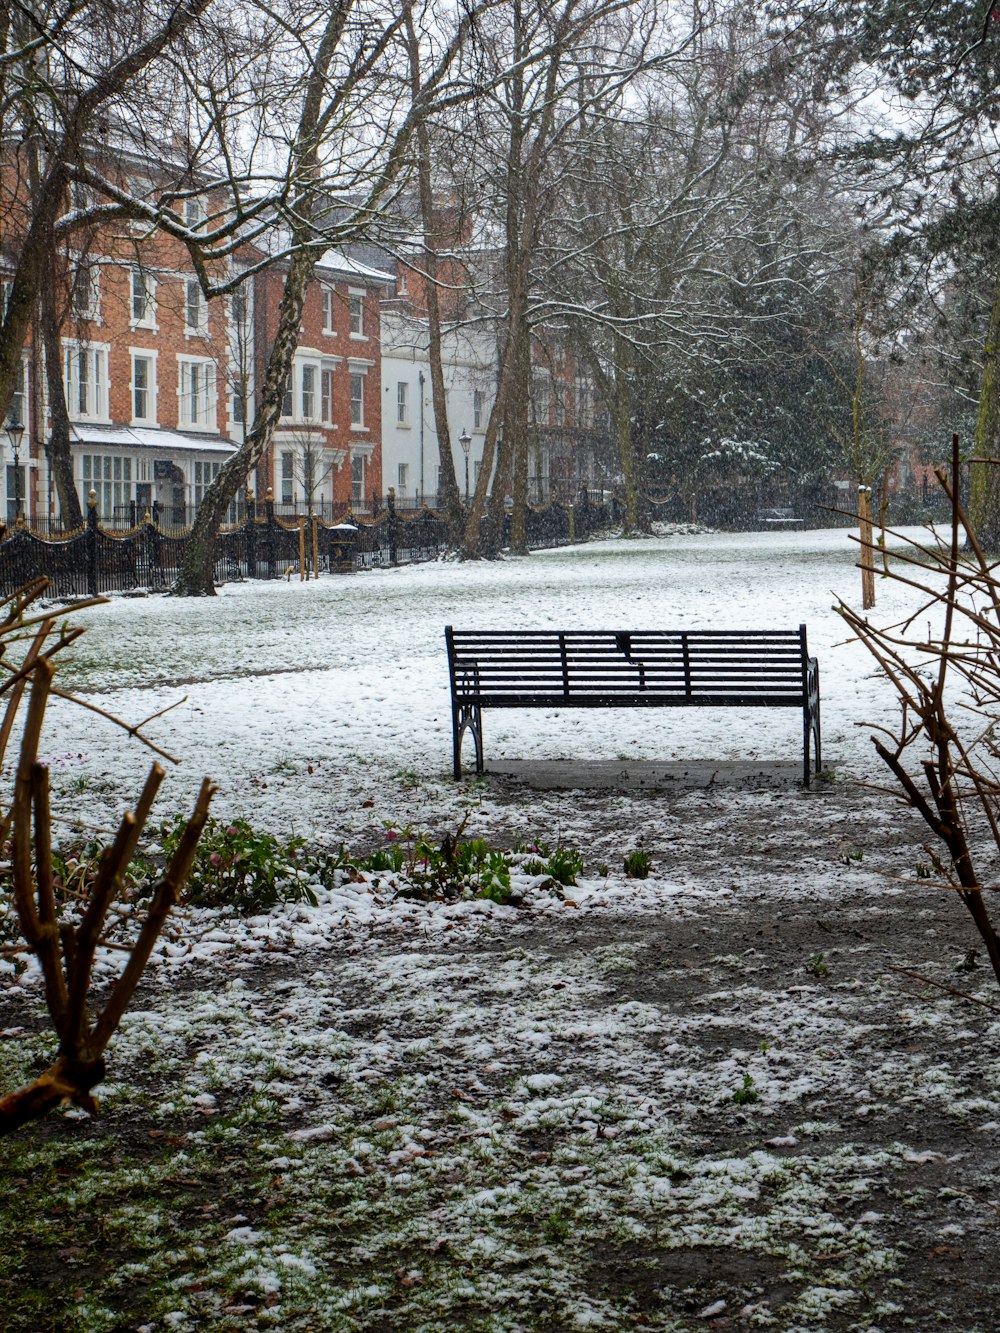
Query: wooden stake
x=302, y=550
x=867, y=547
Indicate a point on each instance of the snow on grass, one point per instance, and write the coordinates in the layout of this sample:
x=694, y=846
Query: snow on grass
x=379, y=1113
x=303, y=700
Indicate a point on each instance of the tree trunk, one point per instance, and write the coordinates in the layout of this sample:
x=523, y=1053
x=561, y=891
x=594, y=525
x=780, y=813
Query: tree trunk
x=472, y=541
x=196, y=576
x=454, y=507
x=622, y=415
x=518, y=434
x=985, y=494
x=57, y=448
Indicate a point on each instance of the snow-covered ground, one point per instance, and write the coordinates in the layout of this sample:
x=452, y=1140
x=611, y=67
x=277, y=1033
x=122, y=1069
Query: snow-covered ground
x=697, y=1100
x=328, y=691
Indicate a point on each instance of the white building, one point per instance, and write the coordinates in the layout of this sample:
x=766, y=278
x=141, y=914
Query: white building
x=411, y=456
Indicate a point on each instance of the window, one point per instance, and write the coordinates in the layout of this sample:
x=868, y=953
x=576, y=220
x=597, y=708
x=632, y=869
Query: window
x=477, y=409
x=287, y=477
x=195, y=307
x=15, y=492
x=204, y=475
x=19, y=399
x=357, y=479
x=238, y=405
x=403, y=284
x=404, y=472
x=308, y=392
x=86, y=297
x=357, y=400
x=329, y=298
x=357, y=315
x=86, y=382
x=111, y=480
x=143, y=302
x=143, y=387
x=402, y=406
x=194, y=212
x=326, y=396
x=81, y=196
x=560, y=406
x=287, y=406
x=543, y=400
x=196, y=394
x=5, y=286
x=239, y=309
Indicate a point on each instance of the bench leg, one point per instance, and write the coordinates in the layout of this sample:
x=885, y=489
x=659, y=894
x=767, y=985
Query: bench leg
x=810, y=740
x=467, y=717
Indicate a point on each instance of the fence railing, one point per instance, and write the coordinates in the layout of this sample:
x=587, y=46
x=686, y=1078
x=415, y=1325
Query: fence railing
x=95, y=560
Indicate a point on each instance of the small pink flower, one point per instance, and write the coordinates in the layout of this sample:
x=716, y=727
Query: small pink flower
x=391, y=835
x=215, y=859
x=232, y=831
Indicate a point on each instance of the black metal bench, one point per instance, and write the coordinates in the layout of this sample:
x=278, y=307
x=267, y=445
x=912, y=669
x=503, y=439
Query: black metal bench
x=629, y=669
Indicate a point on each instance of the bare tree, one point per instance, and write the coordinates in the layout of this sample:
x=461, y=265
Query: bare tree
x=358, y=110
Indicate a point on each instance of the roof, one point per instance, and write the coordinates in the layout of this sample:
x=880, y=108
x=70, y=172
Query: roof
x=337, y=262
x=150, y=437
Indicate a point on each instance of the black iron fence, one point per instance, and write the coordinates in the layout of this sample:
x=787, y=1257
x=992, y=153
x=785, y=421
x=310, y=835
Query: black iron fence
x=95, y=560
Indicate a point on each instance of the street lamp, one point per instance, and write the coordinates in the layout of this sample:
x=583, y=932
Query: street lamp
x=15, y=430
x=465, y=440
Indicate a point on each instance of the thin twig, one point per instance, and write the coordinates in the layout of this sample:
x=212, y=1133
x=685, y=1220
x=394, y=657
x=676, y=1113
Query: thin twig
x=951, y=990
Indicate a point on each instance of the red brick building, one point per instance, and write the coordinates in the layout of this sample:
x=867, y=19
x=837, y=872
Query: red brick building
x=327, y=451
x=160, y=383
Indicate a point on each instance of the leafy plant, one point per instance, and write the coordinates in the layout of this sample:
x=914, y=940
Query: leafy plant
x=817, y=965
x=237, y=867
x=748, y=1093
x=564, y=865
x=638, y=864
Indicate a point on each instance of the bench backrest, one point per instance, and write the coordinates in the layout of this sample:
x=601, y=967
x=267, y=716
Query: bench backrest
x=732, y=665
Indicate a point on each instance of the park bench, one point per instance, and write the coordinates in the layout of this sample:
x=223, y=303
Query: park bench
x=629, y=669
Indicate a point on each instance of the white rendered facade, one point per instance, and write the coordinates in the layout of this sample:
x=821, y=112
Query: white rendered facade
x=411, y=457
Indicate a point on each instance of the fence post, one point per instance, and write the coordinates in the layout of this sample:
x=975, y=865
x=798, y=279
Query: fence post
x=92, y=544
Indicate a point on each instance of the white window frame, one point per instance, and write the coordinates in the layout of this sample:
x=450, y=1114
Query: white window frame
x=239, y=309
x=402, y=404
x=96, y=384
x=203, y=472
x=144, y=354
x=111, y=481
x=86, y=281
x=195, y=302
x=402, y=477
x=194, y=212
x=478, y=403
x=356, y=304
x=326, y=392
x=309, y=371
x=286, y=477
x=358, y=380
x=329, y=310
x=203, y=386
x=20, y=399
x=142, y=284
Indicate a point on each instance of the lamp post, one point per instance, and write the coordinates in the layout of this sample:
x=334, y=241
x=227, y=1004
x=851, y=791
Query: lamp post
x=15, y=430
x=465, y=440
